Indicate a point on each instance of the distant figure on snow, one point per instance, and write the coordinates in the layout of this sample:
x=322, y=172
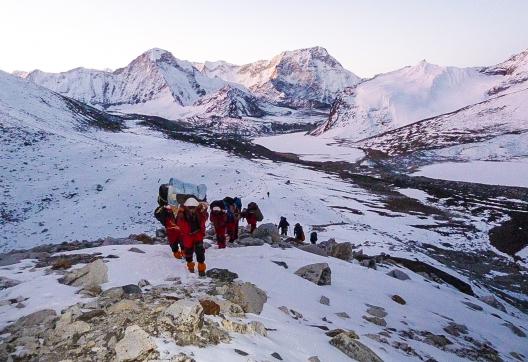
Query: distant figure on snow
x=298, y=233
x=283, y=226
x=313, y=237
x=268, y=194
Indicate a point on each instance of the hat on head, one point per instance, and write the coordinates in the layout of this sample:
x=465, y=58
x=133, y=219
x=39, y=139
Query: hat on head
x=216, y=208
x=191, y=202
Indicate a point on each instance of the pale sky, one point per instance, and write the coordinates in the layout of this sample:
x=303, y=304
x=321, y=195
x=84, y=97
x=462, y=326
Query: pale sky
x=366, y=37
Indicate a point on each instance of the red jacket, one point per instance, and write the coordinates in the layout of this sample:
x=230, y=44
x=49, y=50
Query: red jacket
x=251, y=218
x=192, y=233
x=218, y=218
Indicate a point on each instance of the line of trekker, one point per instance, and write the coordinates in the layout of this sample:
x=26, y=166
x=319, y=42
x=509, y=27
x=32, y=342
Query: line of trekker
x=185, y=225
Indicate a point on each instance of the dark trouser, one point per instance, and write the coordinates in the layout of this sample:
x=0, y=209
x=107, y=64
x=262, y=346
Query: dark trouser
x=231, y=227
x=235, y=232
x=220, y=232
x=284, y=231
x=198, y=249
x=175, y=246
x=252, y=228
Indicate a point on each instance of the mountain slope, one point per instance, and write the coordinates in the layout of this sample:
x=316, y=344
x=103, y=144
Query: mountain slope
x=501, y=115
x=398, y=98
x=27, y=106
x=155, y=76
x=301, y=78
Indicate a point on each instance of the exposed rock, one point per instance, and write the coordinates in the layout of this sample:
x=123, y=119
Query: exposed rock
x=341, y=251
x=125, y=305
x=7, y=283
x=375, y=320
x=292, y=313
x=253, y=327
x=437, y=340
x=136, y=250
x=369, y=263
x=324, y=300
x=280, y=263
x=516, y=330
x=335, y=332
x=143, y=283
x=314, y=359
x=222, y=275
x=117, y=293
x=93, y=274
x=318, y=273
x=210, y=307
x=398, y=299
x=42, y=319
x=87, y=316
x=135, y=346
x=473, y=306
x=354, y=349
x=71, y=330
x=377, y=311
x=131, y=289
x=267, y=229
x=398, y=274
x=247, y=295
x=276, y=355
x=186, y=315
x=314, y=249
x=240, y=352
x=492, y=301
x=456, y=329
x=343, y=315
x=230, y=309
x=250, y=241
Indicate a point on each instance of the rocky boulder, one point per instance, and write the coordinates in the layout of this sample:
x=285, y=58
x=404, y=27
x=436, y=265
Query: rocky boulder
x=247, y=295
x=314, y=249
x=318, y=273
x=492, y=301
x=250, y=241
x=186, y=315
x=268, y=229
x=341, y=251
x=89, y=276
x=136, y=345
x=222, y=275
x=398, y=274
x=349, y=345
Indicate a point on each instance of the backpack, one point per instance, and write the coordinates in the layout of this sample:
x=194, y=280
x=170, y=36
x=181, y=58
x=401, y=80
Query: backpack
x=217, y=203
x=163, y=194
x=229, y=200
x=238, y=202
x=252, y=206
x=313, y=237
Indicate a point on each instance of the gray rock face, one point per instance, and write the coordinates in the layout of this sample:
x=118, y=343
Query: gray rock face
x=314, y=249
x=222, y=275
x=267, y=229
x=7, y=283
x=250, y=241
x=324, y=300
x=516, y=330
x=318, y=273
x=354, y=349
x=456, y=329
x=492, y=301
x=43, y=317
x=186, y=315
x=375, y=320
x=377, y=311
x=398, y=274
x=341, y=251
x=136, y=345
x=91, y=275
x=136, y=250
x=247, y=295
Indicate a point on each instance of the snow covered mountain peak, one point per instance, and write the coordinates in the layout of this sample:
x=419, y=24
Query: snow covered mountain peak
x=516, y=64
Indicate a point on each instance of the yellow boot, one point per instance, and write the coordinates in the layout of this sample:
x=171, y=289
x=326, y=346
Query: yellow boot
x=201, y=269
x=190, y=266
x=178, y=254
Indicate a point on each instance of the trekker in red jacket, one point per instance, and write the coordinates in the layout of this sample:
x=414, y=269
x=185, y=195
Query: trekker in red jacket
x=191, y=220
x=250, y=214
x=166, y=217
x=219, y=220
